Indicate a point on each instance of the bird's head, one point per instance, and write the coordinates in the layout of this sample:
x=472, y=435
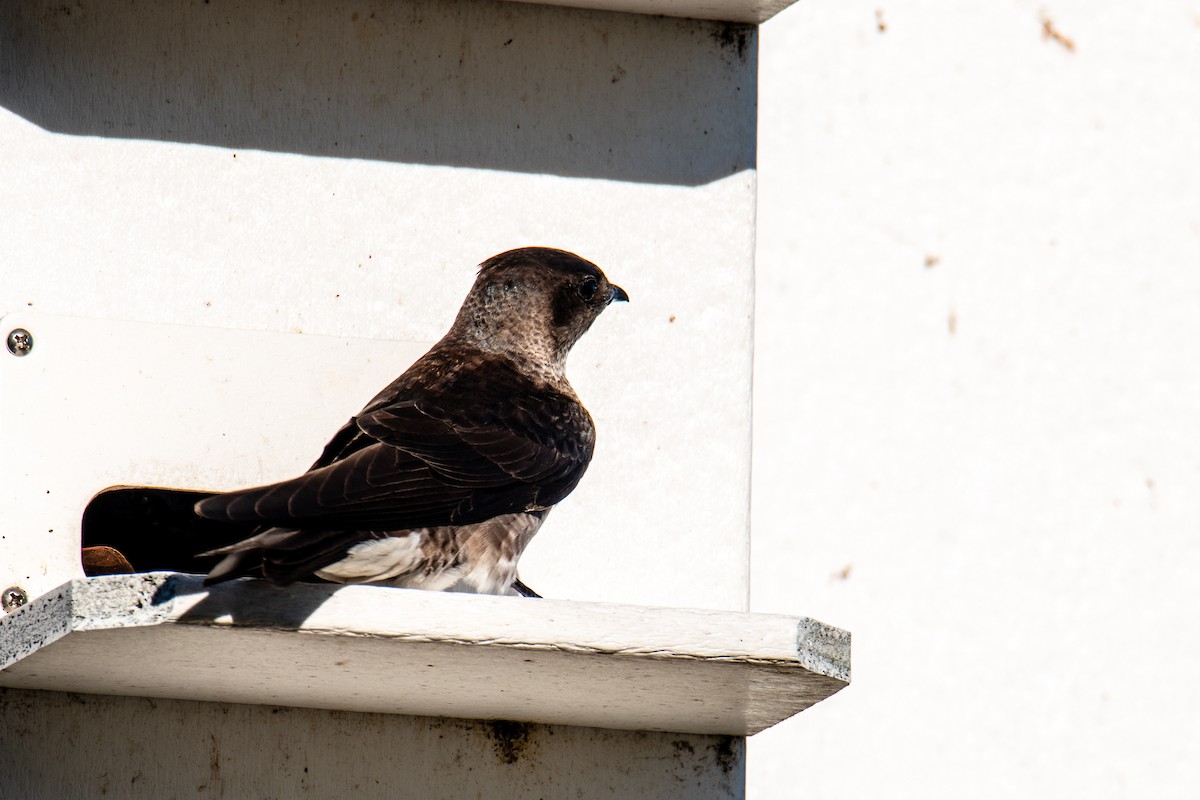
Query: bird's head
x=534, y=303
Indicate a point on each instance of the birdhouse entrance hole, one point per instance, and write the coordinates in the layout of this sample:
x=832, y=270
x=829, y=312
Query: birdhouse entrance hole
x=149, y=529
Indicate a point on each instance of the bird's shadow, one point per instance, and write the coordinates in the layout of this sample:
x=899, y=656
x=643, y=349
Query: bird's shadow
x=156, y=530
x=246, y=601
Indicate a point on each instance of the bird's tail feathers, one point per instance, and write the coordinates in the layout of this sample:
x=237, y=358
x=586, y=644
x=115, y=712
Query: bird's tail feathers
x=234, y=565
x=268, y=538
x=244, y=557
x=282, y=555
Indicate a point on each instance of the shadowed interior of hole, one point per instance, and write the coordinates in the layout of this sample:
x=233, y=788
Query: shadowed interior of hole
x=154, y=529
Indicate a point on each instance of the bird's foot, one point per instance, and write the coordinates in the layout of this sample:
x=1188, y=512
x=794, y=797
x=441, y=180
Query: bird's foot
x=523, y=590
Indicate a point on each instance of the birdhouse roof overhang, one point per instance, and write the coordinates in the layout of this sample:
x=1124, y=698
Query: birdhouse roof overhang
x=747, y=11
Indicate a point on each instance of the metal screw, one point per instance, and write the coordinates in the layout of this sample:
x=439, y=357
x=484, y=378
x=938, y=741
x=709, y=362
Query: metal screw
x=13, y=598
x=20, y=342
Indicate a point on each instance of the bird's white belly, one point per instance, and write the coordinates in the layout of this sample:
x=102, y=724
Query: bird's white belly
x=377, y=560
x=481, y=558
x=495, y=577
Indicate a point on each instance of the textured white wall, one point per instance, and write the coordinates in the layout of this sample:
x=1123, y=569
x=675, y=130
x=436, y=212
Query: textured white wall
x=977, y=394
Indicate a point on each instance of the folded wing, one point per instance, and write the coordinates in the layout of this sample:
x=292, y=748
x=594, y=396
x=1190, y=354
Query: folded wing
x=412, y=468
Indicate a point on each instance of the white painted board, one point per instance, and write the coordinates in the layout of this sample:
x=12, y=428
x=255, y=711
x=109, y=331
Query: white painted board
x=101, y=403
x=378, y=649
x=65, y=745
x=327, y=168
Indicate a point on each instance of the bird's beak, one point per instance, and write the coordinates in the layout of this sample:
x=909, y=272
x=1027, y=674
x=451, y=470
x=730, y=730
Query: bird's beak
x=618, y=294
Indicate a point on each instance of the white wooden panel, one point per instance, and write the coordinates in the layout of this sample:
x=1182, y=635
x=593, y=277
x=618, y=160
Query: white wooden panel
x=479, y=84
x=366, y=648
x=291, y=167
x=98, y=403
x=61, y=745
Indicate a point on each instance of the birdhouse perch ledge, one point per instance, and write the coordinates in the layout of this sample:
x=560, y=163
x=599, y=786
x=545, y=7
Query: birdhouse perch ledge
x=379, y=649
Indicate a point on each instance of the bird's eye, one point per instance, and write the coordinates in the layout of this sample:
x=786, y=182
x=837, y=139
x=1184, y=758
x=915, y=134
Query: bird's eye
x=587, y=289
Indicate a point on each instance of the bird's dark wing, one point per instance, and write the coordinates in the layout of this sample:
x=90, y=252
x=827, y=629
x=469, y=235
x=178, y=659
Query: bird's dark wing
x=502, y=464
x=349, y=439
x=450, y=464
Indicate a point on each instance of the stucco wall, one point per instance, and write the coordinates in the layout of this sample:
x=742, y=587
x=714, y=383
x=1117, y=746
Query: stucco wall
x=977, y=384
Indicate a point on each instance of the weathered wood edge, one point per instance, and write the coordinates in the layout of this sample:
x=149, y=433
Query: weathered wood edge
x=127, y=601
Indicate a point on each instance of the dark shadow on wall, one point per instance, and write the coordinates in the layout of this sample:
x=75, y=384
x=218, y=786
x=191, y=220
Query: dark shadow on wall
x=465, y=83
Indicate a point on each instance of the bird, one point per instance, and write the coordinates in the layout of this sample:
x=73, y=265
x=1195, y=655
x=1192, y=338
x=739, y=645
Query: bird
x=444, y=476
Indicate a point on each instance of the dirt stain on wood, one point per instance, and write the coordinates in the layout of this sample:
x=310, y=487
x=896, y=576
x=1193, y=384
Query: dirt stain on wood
x=511, y=740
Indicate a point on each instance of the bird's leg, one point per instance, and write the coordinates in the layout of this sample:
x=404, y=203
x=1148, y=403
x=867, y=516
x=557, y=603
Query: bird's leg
x=523, y=590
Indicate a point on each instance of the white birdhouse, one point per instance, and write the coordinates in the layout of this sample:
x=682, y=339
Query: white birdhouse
x=225, y=227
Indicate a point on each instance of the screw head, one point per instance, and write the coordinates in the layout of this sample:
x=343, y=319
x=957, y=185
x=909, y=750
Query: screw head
x=13, y=598
x=20, y=342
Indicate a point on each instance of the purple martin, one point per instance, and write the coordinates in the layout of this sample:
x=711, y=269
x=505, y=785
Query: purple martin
x=444, y=477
